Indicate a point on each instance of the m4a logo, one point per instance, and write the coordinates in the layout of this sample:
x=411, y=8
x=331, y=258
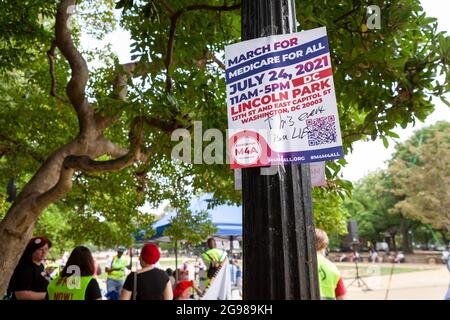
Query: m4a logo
x=246, y=151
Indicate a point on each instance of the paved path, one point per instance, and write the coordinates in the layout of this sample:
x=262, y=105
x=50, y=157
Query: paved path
x=422, y=285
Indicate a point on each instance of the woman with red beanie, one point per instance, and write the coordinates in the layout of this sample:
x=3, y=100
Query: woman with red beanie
x=148, y=283
x=28, y=281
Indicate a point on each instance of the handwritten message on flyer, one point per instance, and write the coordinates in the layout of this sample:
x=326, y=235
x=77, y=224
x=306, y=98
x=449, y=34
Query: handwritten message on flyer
x=281, y=100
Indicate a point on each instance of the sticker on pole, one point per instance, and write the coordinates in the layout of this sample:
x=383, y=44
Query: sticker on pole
x=281, y=100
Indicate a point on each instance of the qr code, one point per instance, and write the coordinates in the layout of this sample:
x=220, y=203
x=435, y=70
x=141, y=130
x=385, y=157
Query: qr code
x=321, y=130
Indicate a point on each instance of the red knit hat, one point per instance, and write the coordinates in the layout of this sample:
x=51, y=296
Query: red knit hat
x=181, y=287
x=150, y=253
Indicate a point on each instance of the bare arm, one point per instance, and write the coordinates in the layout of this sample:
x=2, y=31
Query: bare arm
x=125, y=295
x=30, y=295
x=197, y=290
x=168, y=293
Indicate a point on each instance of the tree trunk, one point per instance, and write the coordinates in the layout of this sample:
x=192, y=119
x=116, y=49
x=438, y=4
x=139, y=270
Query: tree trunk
x=407, y=243
x=54, y=178
x=444, y=237
x=405, y=237
x=16, y=229
x=394, y=244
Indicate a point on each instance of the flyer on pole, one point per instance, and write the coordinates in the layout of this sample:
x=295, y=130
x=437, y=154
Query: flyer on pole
x=281, y=101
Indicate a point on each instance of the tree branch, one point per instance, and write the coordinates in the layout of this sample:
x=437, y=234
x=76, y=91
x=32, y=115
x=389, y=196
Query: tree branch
x=170, y=44
x=131, y=70
x=212, y=8
x=4, y=149
x=111, y=149
x=51, y=62
x=165, y=126
x=173, y=26
x=18, y=145
x=120, y=82
x=63, y=186
x=345, y=15
x=167, y=7
x=72, y=163
x=76, y=87
x=216, y=60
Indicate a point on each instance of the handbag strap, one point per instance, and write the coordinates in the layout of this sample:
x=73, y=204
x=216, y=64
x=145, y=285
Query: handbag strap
x=211, y=258
x=134, y=286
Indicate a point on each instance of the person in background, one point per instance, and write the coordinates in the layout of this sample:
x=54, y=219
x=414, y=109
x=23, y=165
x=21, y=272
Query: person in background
x=196, y=268
x=235, y=276
x=239, y=280
x=355, y=256
x=76, y=281
x=151, y=283
x=213, y=257
x=399, y=258
x=29, y=281
x=391, y=257
x=341, y=258
x=171, y=275
x=445, y=254
x=373, y=254
x=116, y=274
x=233, y=268
x=330, y=280
x=98, y=269
x=183, y=271
x=184, y=290
x=447, y=295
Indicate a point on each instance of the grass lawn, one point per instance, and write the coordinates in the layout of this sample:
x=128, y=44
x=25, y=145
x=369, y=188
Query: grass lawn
x=165, y=263
x=375, y=270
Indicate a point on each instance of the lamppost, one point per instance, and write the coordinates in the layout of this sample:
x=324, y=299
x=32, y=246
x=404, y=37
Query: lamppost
x=278, y=225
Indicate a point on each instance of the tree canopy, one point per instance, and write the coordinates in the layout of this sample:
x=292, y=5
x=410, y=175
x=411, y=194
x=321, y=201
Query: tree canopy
x=370, y=204
x=411, y=195
x=421, y=176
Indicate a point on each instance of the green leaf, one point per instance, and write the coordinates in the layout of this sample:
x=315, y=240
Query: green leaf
x=393, y=134
x=385, y=142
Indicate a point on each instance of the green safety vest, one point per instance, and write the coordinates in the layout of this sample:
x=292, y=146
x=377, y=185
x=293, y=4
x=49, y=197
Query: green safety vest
x=216, y=254
x=118, y=263
x=68, y=288
x=328, y=277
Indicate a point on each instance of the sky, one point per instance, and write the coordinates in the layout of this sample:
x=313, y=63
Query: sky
x=367, y=156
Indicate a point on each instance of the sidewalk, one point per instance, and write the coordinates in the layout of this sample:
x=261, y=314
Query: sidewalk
x=422, y=285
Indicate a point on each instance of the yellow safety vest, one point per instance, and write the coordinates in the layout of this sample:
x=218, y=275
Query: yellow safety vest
x=215, y=254
x=120, y=274
x=68, y=288
x=328, y=277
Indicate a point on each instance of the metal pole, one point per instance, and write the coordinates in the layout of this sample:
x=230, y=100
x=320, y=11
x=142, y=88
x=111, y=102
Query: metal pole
x=279, y=245
x=176, y=260
x=231, y=246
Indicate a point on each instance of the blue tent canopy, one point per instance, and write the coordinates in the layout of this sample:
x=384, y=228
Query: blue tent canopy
x=228, y=220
